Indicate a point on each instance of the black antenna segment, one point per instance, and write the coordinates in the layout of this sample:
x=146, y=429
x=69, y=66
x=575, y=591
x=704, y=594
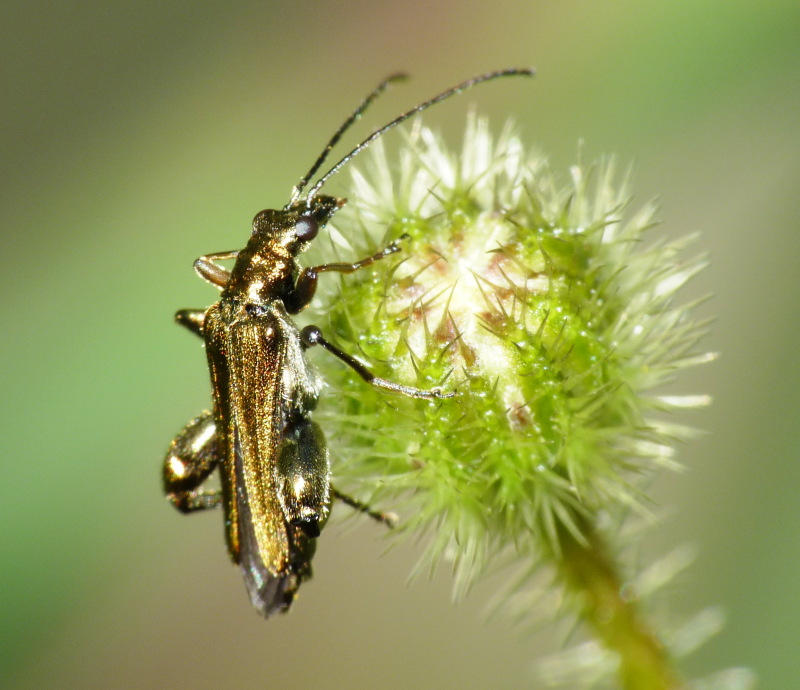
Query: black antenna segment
x=463, y=86
x=300, y=186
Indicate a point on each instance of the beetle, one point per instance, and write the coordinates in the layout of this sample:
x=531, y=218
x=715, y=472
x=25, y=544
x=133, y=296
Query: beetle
x=274, y=467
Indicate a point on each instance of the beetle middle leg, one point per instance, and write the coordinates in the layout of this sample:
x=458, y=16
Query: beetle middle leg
x=311, y=335
x=191, y=458
x=193, y=319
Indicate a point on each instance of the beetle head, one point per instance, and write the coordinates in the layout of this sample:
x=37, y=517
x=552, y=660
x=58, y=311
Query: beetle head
x=296, y=226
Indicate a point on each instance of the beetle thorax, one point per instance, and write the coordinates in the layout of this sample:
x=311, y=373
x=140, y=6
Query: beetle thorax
x=263, y=275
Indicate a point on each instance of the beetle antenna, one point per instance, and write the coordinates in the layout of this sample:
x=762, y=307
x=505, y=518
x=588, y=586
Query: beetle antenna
x=512, y=72
x=300, y=186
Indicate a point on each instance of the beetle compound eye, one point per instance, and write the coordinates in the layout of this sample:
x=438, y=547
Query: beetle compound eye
x=306, y=228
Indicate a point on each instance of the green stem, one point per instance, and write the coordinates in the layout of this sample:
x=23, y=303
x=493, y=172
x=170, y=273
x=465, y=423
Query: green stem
x=591, y=574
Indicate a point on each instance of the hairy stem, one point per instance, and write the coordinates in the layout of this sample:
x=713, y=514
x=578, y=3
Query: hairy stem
x=591, y=574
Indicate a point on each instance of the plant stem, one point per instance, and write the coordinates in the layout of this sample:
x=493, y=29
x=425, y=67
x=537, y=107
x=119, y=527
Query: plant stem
x=591, y=574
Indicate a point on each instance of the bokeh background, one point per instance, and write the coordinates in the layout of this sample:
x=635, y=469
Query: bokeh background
x=136, y=136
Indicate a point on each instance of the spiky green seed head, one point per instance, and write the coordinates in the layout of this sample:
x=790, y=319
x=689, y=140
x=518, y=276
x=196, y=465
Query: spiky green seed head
x=536, y=301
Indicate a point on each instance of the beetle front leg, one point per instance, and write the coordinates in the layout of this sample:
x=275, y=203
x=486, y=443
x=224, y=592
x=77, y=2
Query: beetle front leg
x=306, y=284
x=207, y=268
x=192, y=456
x=311, y=335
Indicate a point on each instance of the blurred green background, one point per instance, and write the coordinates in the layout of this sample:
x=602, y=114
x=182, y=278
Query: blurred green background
x=136, y=136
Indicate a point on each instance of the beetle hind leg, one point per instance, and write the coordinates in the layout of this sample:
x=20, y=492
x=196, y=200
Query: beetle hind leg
x=191, y=458
x=303, y=477
x=388, y=519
